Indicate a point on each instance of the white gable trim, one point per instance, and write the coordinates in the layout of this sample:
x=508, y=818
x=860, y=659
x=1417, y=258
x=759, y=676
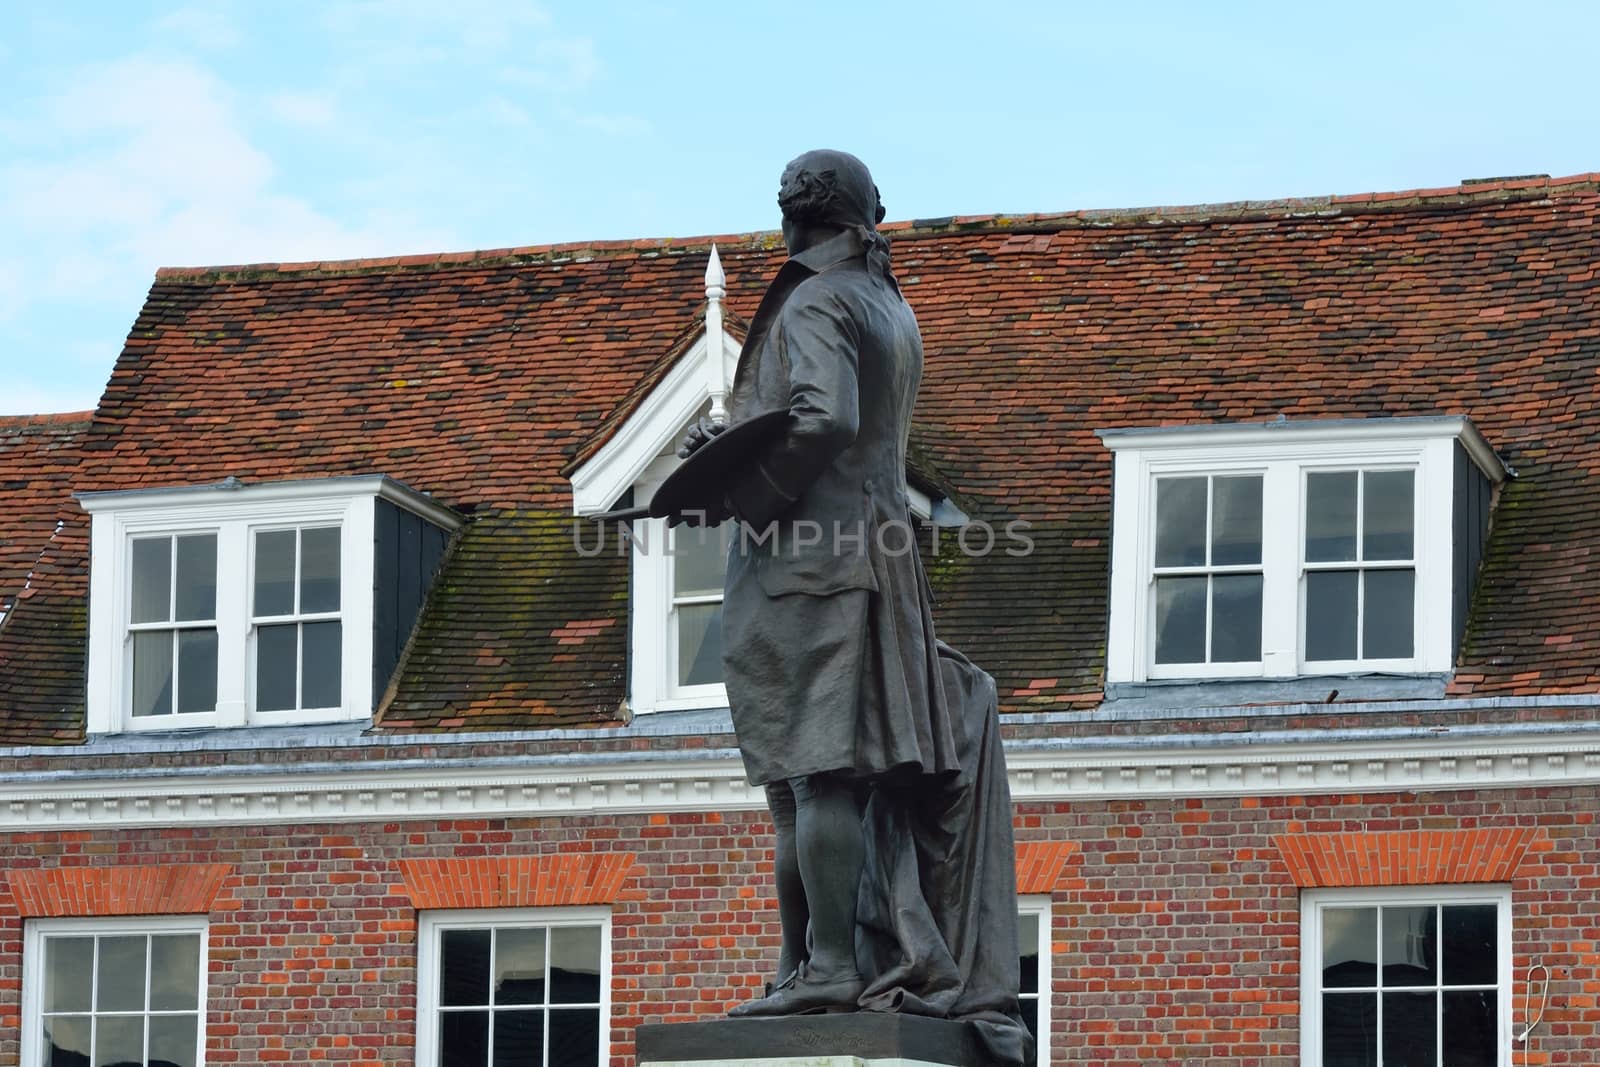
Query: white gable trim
x=646, y=433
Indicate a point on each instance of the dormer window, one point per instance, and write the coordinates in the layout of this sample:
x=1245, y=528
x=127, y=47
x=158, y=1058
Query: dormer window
x=1294, y=548
x=230, y=605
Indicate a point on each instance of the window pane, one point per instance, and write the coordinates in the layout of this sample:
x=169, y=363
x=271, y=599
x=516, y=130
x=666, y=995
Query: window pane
x=464, y=1039
x=1410, y=946
x=464, y=969
x=518, y=1038
x=1181, y=522
x=1331, y=614
x=1386, y=525
x=1236, y=520
x=1387, y=614
x=699, y=644
x=275, y=667
x=152, y=579
x=1349, y=947
x=575, y=1038
x=1349, y=1030
x=575, y=965
x=1410, y=1035
x=152, y=673
x=519, y=966
x=1471, y=944
x=197, y=577
x=274, y=572
x=1180, y=620
x=1236, y=618
x=1028, y=942
x=66, y=1041
x=121, y=974
x=701, y=558
x=319, y=569
x=320, y=656
x=1470, y=1027
x=174, y=972
x=1330, y=516
x=119, y=1041
x=197, y=670
x=69, y=968
x=173, y=1039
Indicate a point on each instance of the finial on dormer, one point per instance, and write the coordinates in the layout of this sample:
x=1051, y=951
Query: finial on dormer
x=716, y=367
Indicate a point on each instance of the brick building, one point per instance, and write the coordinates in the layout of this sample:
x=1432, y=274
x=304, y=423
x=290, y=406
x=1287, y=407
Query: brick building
x=335, y=732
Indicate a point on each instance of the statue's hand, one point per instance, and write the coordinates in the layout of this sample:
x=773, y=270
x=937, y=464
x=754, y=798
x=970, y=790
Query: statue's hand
x=699, y=435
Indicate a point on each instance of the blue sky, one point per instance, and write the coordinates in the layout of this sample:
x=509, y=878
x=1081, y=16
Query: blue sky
x=135, y=135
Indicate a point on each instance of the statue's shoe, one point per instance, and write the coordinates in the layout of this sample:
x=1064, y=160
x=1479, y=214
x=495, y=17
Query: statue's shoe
x=800, y=994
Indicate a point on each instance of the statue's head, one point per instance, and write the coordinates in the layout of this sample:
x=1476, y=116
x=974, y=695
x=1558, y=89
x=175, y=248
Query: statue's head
x=827, y=190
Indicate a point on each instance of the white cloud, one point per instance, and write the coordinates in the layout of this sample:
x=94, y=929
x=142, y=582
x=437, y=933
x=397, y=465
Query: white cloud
x=610, y=125
x=561, y=65
x=302, y=108
x=482, y=27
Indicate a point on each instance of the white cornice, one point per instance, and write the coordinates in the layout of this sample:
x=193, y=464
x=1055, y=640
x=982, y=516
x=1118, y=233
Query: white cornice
x=531, y=787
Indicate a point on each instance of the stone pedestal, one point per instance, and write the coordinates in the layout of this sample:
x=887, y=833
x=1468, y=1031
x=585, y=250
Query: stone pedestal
x=857, y=1039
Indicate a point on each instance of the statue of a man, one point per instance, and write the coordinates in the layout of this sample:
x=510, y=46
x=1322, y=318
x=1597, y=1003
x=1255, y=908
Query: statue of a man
x=878, y=747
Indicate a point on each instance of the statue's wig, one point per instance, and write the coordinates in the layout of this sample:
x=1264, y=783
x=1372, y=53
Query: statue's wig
x=825, y=187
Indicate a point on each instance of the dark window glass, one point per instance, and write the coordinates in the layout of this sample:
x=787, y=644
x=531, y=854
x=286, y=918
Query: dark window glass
x=197, y=671
x=1235, y=618
x=120, y=979
x=1471, y=944
x=68, y=976
x=174, y=972
x=1331, y=614
x=1470, y=1027
x=1330, y=516
x=152, y=673
x=152, y=579
x=320, y=656
x=1410, y=946
x=1349, y=1030
x=518, y=1038
x=196, y=587
x=575, y=1038
x=1236, y=521
x=1387, y=515
x=119, y=1041
x=66, y=1040
x=173, y=1039
x=699, y=644
x=1028, y=939
x=464, y=1039
x=519, y=965
x=274, y=587
x=1181, y=620
x=319, y=570
x=1410, y=1030
x=1349, y=947
x=575, y=965
x=464, y=968
x=276, y=655
x=1387, y=614
x=1181, y=522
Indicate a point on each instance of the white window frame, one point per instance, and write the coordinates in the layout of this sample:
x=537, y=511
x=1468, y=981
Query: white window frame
x=36, y=930
x=1282, y=454
x=1040, y=906
x=1314, y=901
x=430, y=925
x=234, y=512
x=654, y=632
x=296, y=617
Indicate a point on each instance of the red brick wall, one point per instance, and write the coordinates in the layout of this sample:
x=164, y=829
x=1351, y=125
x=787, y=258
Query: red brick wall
x=1175, y=924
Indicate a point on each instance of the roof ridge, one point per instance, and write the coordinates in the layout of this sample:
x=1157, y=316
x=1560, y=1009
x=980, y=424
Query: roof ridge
x=1464, y=194
x=45, y=420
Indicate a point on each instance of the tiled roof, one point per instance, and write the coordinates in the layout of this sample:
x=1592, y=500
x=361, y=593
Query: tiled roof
x=479, y=377
x=38, y=454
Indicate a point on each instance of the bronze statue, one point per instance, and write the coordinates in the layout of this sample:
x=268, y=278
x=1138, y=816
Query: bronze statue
x=877, y=745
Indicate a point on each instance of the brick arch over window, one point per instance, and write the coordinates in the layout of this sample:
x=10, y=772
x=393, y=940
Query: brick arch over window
x=1041, y=865
x=1416, y=857
x=563, y=880
x=168, y=889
